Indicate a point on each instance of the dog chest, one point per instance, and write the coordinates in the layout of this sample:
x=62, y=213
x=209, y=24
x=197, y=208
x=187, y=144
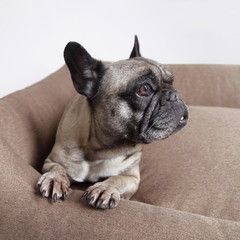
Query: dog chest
x=92, y=171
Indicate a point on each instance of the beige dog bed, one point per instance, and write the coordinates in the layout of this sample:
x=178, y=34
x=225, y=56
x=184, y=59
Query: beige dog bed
x=190, y=182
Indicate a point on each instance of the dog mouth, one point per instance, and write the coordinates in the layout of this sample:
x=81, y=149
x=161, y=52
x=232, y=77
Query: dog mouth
x=182, y=123
x=183, y=119
x=165, y=124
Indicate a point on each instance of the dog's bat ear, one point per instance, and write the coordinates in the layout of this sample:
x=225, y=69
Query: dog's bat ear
x=86, y=72
x=136, y=49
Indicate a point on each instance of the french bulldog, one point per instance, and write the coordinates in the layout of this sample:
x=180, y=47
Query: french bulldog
x=119, y=107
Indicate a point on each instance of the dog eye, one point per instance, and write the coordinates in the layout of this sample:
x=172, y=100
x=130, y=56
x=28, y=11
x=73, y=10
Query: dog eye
x=145, y=90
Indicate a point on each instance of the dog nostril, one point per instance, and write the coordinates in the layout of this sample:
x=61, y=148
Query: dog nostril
x=174, y=96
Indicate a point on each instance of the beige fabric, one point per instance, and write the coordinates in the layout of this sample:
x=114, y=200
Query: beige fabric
x=197, y=170
x=189, y=182
x=208, y=85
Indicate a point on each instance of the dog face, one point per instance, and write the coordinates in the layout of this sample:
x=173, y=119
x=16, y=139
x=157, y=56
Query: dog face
x=132, y=100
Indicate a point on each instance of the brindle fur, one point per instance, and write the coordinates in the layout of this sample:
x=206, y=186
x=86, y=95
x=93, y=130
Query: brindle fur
x=101, y=131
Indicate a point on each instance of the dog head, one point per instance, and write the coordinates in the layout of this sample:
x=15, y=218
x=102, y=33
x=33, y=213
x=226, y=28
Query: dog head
x=132, y=100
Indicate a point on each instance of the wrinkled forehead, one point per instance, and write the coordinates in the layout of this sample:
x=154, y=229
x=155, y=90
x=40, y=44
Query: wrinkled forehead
x=120, y=73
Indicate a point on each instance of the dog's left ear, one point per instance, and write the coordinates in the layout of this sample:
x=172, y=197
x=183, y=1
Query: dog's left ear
x=86, y=71
x=135, y=51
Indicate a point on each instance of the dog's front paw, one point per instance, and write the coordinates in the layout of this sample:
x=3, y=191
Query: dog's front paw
x=102, y=195
x=53, y=184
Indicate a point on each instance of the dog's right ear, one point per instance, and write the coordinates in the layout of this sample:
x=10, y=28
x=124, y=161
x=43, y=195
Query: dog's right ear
x=86, y=72
x=136, y=48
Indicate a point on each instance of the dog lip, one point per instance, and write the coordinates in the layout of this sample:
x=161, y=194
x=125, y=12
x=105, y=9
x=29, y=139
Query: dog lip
x=183, y=121
x=184, y=118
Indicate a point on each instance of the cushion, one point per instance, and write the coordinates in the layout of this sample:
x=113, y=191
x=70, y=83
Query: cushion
x=189, y=182
x=198, y=169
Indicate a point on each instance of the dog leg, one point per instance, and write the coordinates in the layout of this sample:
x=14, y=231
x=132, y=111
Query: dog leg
x=108, y=193
x=54, y=182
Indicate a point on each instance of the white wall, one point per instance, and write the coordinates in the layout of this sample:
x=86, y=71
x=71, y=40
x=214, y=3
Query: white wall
x=33, y=34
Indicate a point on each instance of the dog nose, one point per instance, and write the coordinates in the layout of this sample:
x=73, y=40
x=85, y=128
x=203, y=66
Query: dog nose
x=169, y=95
x=173, y=96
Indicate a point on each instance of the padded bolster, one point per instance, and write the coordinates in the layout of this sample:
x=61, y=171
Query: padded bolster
x=25, y=215
x=208, y=85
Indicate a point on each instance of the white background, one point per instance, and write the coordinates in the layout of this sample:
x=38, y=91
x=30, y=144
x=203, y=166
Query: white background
x=33, y=34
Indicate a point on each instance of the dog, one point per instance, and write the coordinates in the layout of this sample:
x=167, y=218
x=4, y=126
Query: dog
x=119, y=107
